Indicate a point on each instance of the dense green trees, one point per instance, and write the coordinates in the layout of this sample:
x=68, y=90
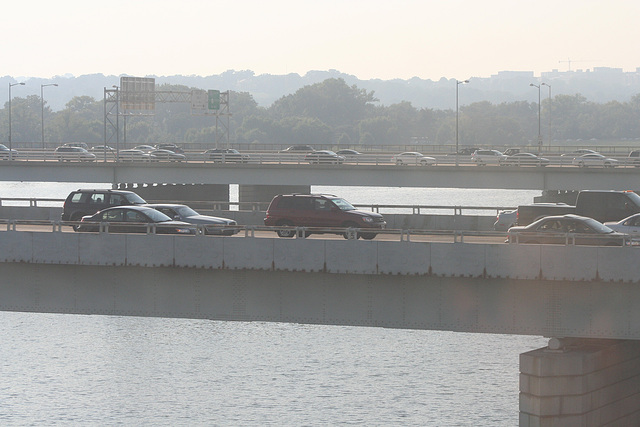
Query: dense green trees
x=332, y=113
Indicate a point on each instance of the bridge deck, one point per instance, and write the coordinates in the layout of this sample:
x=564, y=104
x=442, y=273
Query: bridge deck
x=561, y=291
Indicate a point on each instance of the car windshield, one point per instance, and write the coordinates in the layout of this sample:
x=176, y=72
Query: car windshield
x=156, y=216
x=186, y=211
x=597, y=226
x=343, y=204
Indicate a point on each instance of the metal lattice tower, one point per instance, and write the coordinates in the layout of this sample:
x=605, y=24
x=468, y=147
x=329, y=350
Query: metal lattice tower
x=114, y=109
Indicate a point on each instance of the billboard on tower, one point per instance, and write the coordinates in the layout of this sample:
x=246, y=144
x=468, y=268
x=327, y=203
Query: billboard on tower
x=137, y=93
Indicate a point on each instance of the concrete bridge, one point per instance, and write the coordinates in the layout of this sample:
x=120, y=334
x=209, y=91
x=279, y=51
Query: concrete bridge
x=283, y=175
x=586, y=299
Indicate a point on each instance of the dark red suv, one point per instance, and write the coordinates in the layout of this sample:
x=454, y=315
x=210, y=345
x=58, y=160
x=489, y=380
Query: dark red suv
x=320, y=210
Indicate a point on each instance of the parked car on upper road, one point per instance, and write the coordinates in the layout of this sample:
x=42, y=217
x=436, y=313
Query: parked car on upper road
x=511, y=151
x=413, y=158
x=226, y=155
x=566, y=229
x=298, y=149
x=144, y=147
x=134, y=155
x=323, y=211
x=524, y=159
x=167, y=155
x=102, y=149
x=6, y=153
x=84, y=202
x=212, y=224
x=324, y=156
x=66, y=153
x=465, y=151
x=170, y=147
x=579, y=152
x=77, y=144
x=134, y=219
x=634, y=158
x=594, y=159
x=348, y=152
x=487, y=157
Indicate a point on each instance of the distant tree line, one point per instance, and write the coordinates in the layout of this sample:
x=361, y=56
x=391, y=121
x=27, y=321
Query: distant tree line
x=332, y=113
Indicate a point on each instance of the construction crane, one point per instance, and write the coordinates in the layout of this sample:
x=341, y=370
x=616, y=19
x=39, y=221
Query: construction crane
x=569, y=61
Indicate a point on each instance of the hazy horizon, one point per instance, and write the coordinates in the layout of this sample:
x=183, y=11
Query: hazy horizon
x=370, y=39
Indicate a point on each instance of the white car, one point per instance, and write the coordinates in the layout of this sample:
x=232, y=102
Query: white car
x=487, y=157
x=629, y=225
x=505, y=220
x=66, y=153
x=594, y=159
x=413, y=158
x=133, y=155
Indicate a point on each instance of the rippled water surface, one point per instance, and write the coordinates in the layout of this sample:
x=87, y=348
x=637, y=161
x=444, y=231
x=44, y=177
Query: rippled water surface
x=103, y=370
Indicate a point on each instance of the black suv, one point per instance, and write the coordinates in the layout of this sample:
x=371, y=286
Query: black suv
x=87, y=202
x=320, y=210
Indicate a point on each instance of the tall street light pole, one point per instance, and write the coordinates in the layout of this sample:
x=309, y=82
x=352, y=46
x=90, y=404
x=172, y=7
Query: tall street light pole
x=539, y=134
x=42, y=104
x=548, y=109
x=458, y=83
x=10, y=86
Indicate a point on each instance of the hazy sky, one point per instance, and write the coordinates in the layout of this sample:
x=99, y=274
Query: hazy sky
x=367, y=38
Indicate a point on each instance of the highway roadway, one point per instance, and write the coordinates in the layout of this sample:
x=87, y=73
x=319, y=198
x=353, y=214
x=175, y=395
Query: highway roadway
x=265, y=233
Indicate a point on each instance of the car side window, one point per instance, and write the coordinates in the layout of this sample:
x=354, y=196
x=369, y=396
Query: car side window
x=303, y=203
x=112, y=216
x=133, y=216
x=285, y=203
x=116, y=200
x=322, y=205
x=76, y=197
x=97, y=198
x=552, y=226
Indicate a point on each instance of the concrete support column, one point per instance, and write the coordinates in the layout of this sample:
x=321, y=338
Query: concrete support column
x=264, y=193
x=582, y=383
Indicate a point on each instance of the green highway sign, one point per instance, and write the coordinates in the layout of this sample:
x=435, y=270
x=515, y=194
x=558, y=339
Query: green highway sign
x=214, y=99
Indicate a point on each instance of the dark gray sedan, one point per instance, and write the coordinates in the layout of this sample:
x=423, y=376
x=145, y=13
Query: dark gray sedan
x=566, y=230
x=133, y=219
x=212, y=224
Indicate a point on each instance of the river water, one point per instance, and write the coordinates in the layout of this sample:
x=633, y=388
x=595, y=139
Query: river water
x=120, y=371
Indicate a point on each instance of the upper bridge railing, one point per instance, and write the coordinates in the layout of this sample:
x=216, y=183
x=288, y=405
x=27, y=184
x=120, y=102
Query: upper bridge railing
x=619, y=158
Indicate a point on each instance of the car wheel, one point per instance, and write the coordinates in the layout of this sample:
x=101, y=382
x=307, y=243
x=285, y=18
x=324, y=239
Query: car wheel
x=399, y=162
x=285, y=232
x=76, y=218
x=368, y=236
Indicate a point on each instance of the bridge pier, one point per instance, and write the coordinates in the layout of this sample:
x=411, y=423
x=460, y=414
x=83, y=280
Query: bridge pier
x=581, y=382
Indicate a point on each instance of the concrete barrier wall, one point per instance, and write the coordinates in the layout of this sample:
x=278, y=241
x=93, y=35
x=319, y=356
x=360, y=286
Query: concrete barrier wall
x=505, y=261
x=510, y=289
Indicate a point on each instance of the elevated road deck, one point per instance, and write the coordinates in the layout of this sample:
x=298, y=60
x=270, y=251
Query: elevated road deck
x=466, y=176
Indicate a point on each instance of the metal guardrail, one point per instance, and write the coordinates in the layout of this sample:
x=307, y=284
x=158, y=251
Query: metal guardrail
x=249, y=231
x=278, y=158
x=262, y=206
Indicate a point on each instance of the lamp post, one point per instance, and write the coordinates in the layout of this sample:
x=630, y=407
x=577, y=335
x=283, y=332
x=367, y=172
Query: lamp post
x=458, y=83
x=42, y=104
x=10, y=86
x=539, y=134
x=548, y=109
